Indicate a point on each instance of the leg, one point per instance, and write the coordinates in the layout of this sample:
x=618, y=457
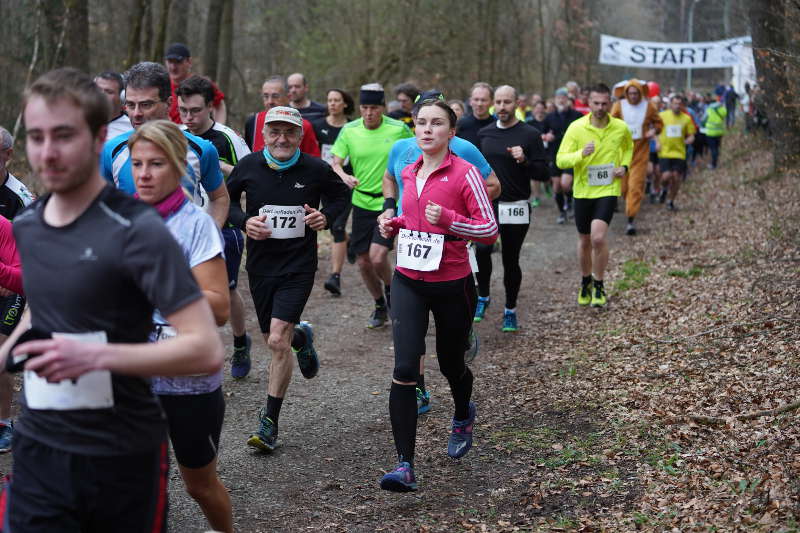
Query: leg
x=205, y=487
x=585, y=254
x=599, y=244
x=379, y=257
x=237, y=314
x=513, y=236
x=279, y=339
x=483, y=254
x=372, y=280
x=338, y=253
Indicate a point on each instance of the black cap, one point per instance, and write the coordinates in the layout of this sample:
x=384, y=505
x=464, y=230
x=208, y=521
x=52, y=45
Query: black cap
x=178, y=51
x=428, y=95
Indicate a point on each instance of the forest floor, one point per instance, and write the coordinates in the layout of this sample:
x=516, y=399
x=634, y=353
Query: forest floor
x=588, y=420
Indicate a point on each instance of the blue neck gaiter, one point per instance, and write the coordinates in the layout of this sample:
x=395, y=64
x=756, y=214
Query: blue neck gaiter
x=274, y=164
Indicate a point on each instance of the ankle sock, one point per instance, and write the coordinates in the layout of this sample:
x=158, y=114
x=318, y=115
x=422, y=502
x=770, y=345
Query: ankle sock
x=240, y=342
x=273, y=408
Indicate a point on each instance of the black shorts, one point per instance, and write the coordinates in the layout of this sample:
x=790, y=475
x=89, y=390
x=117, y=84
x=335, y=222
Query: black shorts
x=195, y=424
x=339, y=224
x=365, y=231
x=53, y=491
x=588, y=209
x=282, y=297
x=561, y=171
x=234, y=246
x=654, y=157
x=11, y=309
x=667, y=164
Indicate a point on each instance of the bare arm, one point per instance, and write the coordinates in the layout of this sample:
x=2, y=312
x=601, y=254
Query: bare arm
x=389, y=188
x=212, y=277
x=493, y=186
x=225, y=168
x=22, y=326
x=348, y=180
x=219, y=204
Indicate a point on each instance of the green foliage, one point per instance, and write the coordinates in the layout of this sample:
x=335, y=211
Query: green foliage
x=635, y=273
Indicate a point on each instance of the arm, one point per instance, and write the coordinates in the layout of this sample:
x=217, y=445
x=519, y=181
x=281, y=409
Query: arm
x=389, y=188
x=22, y=326
x=219, y=204
x=335, y=193
x=225, y=168
x=480, y=225
x=212, y=277
x=348, y=180
x=493, y=186
x=569, y=153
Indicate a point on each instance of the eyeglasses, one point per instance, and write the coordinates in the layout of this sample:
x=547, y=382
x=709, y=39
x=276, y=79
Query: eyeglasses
x=147, y=105
x=191, y=111
x=289, y=134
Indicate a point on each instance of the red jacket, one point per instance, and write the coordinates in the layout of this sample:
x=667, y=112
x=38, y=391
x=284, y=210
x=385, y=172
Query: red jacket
x=467, y=213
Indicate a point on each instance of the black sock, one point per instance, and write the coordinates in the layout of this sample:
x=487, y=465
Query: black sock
x=240, y=342
x=380, y=302
x=560, y=201
x=462, y=392
x=630, y=220
x=298, y=339
x=336, y=275
x=598, y=283
x=586, y=281
x=274, y=408
x=387, y=291
x=421, y=382
x=569, y=198
x=403, y=412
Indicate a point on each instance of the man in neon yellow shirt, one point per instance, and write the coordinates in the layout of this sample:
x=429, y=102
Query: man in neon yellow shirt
x=599, y=148
x=678, y=131
x=367, y=142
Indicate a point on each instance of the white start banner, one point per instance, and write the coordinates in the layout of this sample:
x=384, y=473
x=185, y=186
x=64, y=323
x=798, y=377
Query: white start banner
x=648, y=54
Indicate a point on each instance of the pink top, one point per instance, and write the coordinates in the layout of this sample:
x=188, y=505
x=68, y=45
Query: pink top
x=10, y=266
x=467, y=213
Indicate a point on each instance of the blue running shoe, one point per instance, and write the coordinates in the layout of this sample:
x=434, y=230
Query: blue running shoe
x=307, y=358
x=266, y=438
x=401, y=479
x=461, y=436
x=423, y=401
x=510, y=321
x=474, y=346
x=240, y=361
x=6, y=434
x=480, y=309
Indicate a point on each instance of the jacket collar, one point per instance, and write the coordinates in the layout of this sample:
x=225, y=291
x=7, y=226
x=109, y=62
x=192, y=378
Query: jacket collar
x=446, y=162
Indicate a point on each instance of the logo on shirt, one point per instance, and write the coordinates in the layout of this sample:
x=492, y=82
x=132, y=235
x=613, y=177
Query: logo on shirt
x=88, y=255
x=324, y=132
x=443, y=179
x=298, y=185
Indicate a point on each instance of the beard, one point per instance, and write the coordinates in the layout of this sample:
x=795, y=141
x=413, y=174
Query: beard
x=73, y=179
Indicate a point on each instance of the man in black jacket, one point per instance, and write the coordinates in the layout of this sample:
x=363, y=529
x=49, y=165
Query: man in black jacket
x=557, y=123
x=283, y=188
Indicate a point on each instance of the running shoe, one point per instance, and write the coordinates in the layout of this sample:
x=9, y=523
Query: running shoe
x=510, y=321
x=461, y=435
x=6, y=434
x=378, y=318
x=240, y=360
x=307, y=358
x=401, y=479
x=585, y=295
x=423, y=401
x=266, y=438
x=598, y=297
x=662, y=197
x=333, y=285
x=630, y=229
x=480, y=309
x=535, y=202
x=474, y=346
x=671, y=206
x=562, y=218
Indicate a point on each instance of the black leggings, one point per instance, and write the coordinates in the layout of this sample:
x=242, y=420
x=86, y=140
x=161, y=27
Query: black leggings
x=511, y=238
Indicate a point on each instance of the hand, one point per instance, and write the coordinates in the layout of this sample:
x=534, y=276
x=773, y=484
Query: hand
x=388, y=214
x=689, y=139
x=650, y=133
x=256, y=228
x=619, y=172
x=517, y=153
x=314, y=219
x=588, y=149
x=433, y=212
x=60, y=359
x=350, y=181
x=5, y=293
x=548, y=137
x=385, y=225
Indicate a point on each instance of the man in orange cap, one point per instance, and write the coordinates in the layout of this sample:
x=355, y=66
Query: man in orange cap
x=642, y=119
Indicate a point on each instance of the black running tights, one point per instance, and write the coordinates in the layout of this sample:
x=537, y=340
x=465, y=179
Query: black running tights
x=511, y=238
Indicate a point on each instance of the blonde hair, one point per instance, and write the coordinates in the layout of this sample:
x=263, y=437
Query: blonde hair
x=168, y=137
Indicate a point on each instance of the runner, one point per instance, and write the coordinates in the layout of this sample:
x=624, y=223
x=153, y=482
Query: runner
x=677, y=133
x=557, y=124
x=480, y=99
x=194, y=405
x=450, y=193
x=283, y=189
x=599, y=147
x=406, y=152
x=90, y=442
x=298, y=98
x=515, y=152
x=714, y=125
x=406, y=94
x=537, y=119
x=147, y=97
x=645, y=124
x=340, y=108
x=178, y=60
x=112, y=84
x=195, y=96
x=458, y=108
x=273, y=94
x=367, y=142
x=14, y=196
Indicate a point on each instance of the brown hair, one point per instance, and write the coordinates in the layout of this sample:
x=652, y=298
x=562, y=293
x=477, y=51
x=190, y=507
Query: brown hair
x=441, y=104
x=77, y=87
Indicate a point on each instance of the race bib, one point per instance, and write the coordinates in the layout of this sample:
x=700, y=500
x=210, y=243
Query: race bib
x=285, y=221
x=636, y=131
x=90, y=391
x=165, y=332
x=514, y=212
x=601, y=175
x=417, y=250
x=327, y=155
x=473, y=261
x=674, y=131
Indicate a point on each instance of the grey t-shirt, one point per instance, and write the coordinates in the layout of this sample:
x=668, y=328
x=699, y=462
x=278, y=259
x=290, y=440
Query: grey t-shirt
x=104, y=272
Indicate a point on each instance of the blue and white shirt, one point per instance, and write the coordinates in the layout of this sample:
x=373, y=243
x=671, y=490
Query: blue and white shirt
x=202, y=166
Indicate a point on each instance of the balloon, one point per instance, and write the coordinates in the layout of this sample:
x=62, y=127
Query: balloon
x=653, y=88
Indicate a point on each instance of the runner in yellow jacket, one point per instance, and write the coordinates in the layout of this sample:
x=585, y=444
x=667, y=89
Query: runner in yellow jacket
x=599, y=147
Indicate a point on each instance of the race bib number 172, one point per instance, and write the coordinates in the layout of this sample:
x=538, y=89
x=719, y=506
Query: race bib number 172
x=285, y=221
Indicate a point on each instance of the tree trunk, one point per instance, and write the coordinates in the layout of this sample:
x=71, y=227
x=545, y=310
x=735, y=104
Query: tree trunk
x=137, y=12
x=76, y=43
x=159, y=43
x=147, y=32
x=226, y=45
x=770, y=47
x=179, y=21
x=211, y=52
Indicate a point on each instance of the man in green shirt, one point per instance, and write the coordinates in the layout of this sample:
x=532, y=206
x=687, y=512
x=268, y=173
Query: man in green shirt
x=367, y=142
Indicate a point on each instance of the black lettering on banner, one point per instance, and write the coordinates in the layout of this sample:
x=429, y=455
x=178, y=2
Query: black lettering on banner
x=705, y=50
x=669, y=55
x=637, y=53
x=655, y=50
x=687, y=53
